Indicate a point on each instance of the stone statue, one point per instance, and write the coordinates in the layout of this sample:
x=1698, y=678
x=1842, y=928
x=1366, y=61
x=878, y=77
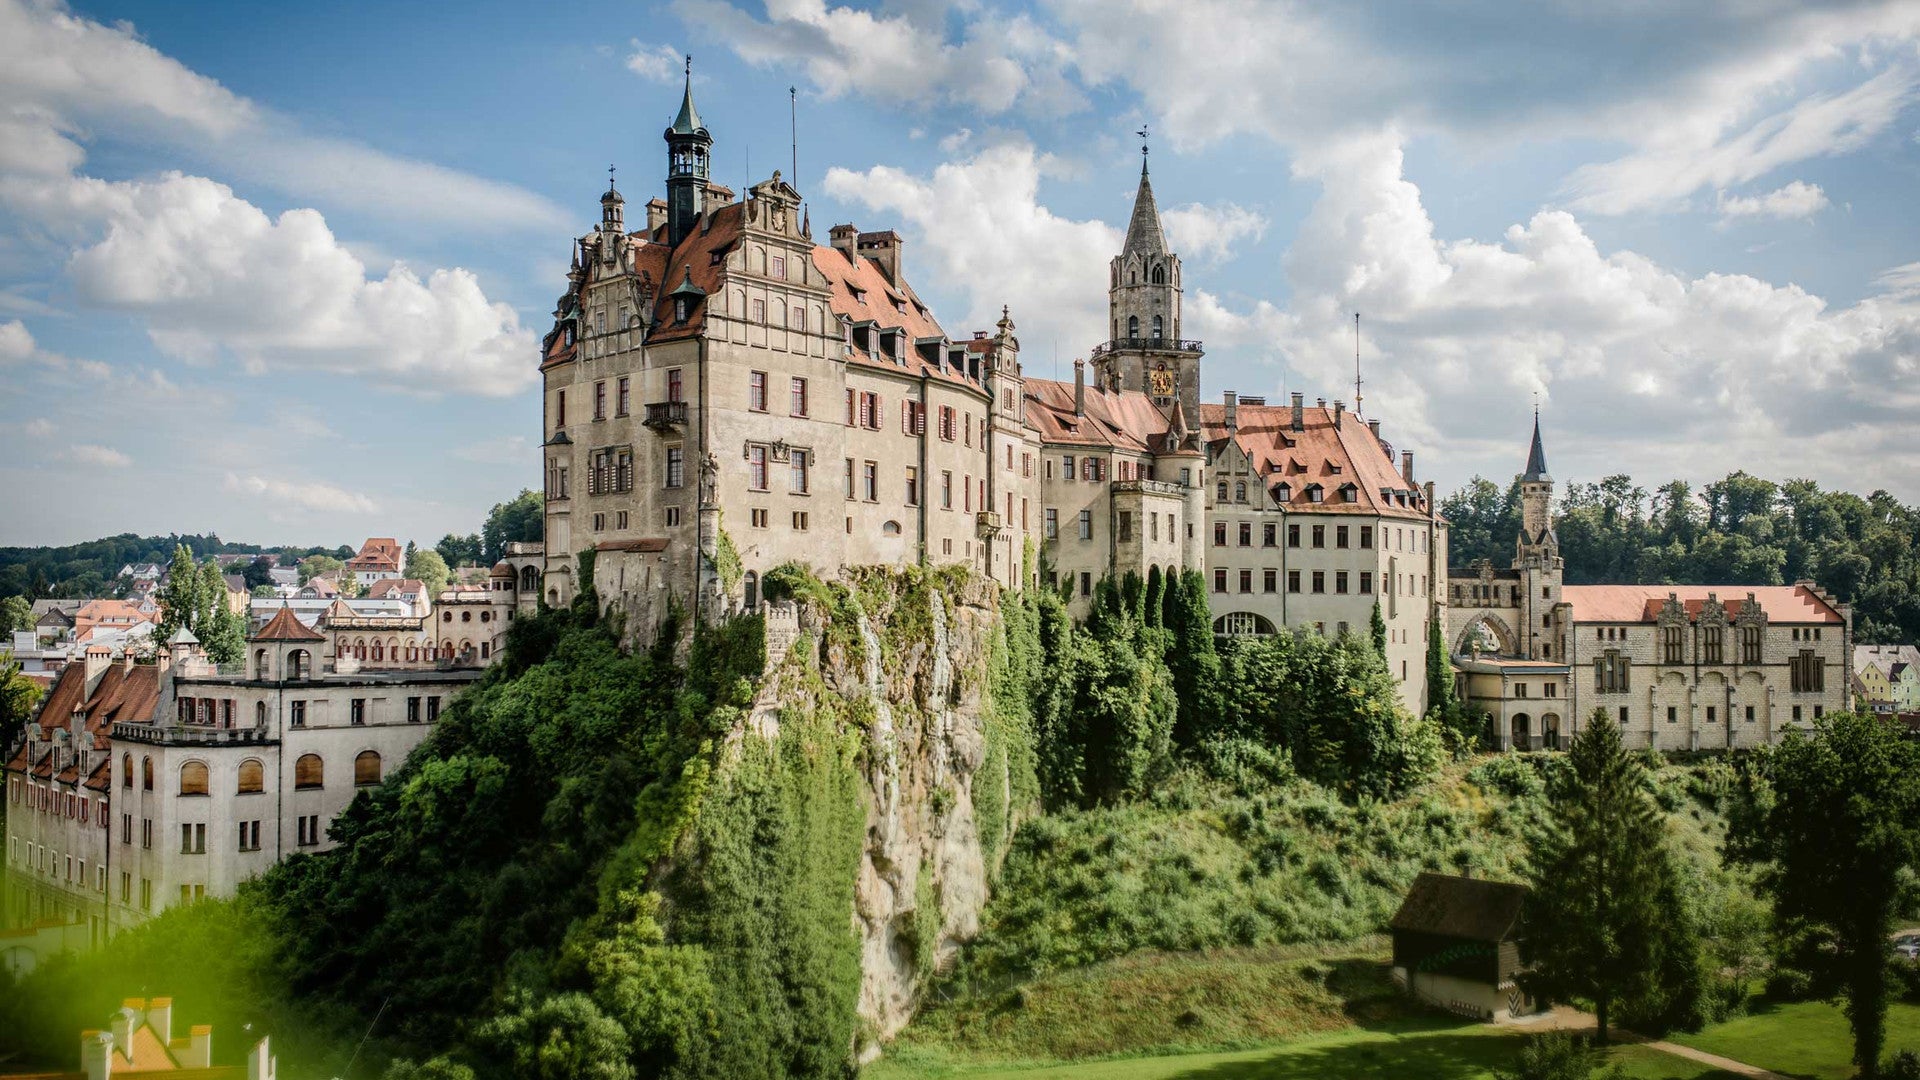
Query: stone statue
x=709, y=479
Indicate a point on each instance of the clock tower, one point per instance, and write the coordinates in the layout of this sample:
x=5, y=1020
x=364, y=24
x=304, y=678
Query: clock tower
x=1144, y=350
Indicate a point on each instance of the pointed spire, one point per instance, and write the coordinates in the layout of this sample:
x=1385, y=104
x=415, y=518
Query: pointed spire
x=688, y=121
x=1143, y=232
x=1537, y=456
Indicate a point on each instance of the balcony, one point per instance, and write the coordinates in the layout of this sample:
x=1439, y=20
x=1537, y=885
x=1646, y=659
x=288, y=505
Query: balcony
x=1181, y=345
x=666, y=414
x=1148, y=487
x=987, y=522
x=188, y=735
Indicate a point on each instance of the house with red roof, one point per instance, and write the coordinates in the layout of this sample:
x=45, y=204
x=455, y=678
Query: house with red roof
x=381, y=557
x=138, y=1043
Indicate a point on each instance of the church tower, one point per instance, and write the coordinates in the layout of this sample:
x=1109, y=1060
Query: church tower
x=689, y=161
x=1144, y=350
x=1536, y=555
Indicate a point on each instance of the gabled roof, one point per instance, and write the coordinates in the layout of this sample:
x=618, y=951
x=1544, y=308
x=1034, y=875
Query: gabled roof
x=1126, y=420
x=123, y=694
x=1473, y=909
x=1320, y=453
x=285, y=626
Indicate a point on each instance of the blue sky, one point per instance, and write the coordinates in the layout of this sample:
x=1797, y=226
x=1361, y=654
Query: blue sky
x=279, y=270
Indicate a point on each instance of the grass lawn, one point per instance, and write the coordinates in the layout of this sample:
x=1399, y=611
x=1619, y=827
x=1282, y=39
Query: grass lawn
x=1441, y=1050
x=1805, y=1039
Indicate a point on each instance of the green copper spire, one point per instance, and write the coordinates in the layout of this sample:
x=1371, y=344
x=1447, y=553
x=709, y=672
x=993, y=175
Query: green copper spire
x=688, y=122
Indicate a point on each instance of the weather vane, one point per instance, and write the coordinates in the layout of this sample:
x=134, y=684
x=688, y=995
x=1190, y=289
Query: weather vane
x=1143, y=139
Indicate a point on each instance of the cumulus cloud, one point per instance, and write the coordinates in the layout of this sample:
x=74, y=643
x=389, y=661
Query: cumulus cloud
x=1796, y=200
x=303, y=495
x=1210, y=233
x=654, y=63
x=212, y=273
x=39, y=427
x=103, y=456
x=980, y=221
x=996, y=61
x=64, y=77
x=15, y=341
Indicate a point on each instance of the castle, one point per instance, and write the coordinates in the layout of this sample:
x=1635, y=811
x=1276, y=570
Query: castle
x=722, y=395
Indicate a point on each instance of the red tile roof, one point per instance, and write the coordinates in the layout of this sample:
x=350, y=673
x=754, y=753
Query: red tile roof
x=1125, y=420
x=1317, y=454
x=122, y=695
x=1643, y=603
x=285, y=626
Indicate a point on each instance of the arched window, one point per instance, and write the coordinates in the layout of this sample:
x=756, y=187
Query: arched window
x=1522, y=725
x=486, y=616
x=890, y=528
x=309, y=773
x=379, y=651
x=299, y=664
x=126, y=770
x=1159, y=278
x=146, y=774
x=752, y=590
x=252, y=777
x=1241, y=624
x=259, y=663
x=1133, y=326
x=779, y=314
x=529, y=582
x=393, y=650
x=466, y=616
x=448, y=616
x=1240, y=491
x=193, y=778
x=259, y=714
x=366, y=769
x=1158, y=324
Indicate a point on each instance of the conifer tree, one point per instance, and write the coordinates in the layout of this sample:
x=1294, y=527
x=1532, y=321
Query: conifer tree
x=1378, y=625
x=1594, y=924
x=1191, y=658
x=212, y=597
x=1836, y=830
x=1439, y=671
x=179, y=596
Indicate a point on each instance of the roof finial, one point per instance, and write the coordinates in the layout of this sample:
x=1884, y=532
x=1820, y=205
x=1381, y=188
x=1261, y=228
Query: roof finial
x=689, y=65
x=1143, y=148
x=1356, y=365
x=610, y=178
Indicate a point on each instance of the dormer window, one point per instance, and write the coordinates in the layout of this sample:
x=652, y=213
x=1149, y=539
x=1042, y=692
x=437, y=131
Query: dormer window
x=680, y=310
x=1315, y=493
x=859, y=295
x=1349, y=493
x=1283, y=493
x=567, y=334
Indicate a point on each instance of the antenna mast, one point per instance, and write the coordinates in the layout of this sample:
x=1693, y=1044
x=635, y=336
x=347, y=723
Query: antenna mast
x=1356, y=364
x=793, y=128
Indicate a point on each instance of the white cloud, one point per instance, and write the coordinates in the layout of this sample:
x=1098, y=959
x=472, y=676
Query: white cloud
x=64, y=77
x=654, y=63
x=39, y=427
x=1209, y=234
x=1796, y=200
x=980, y=222
x=102, y=456
x=15, y=342
x=995, y=63
x=313, y=495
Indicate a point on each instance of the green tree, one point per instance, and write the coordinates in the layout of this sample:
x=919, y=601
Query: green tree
x=559, y=1037
x=426, y=565
x=1599, y=868
x=1836, y=828
x=1377, y=627
x=179, y=594
x=224, y=635
x=16, y=613
x=1559, y=1055
x=18, y=696
x=259, y=572
x=459, y=550
x=1191, y=658
x=315, y=565
x=522, y=519
x=212, y=598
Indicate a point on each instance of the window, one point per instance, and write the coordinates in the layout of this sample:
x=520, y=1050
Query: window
x=757, y=517
x=676, y=471
x=1126, y=525
x=1366, y=582
x=1339, y=536
x=249, y=835
x=1673, y=715
x=757, y=468
x=560, y=409
x=1366, y=536
x=126, y=770
x=146, y=833
x=599, y=401
x=1319, y=536
x=797, y=472
x=1086, y=583
x=1220, y=492
x=366, y=768
x=146, y=774
x=193, y=778
x=1086, y=524
x=757, y=388
x=800, y=520
x=1807, y=672
x=1612, y=672
x=946, y=422
x=1240, y=491
x=309, y=829
x=1710, y=638
x=1750, y=644
x=1293, y=581
x=433, y=709
x=870, y=411
x=193, y=838
x=357, y=708
x=309, y=773
x=1269, y=535
x=779, y=266
x=1672, y=650
x=871, y=476
x=623, y=399
x=146, y=894
x=913, y=419
x=1319, y=581
x=1749, y=714
x=1066, y=467
x=759, y=310
x=1246, y=534
x=675, y=390
x=913, y=486
x=1052, y=526
x=1293, y=536
x=797, y=397
x=1339, y=581
x=1219, y=534
x=1220, y=580
x=1270, y=581
x=1246, y=581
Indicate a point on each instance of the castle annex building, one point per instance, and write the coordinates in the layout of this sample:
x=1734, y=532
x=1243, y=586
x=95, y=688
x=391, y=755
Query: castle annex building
x=1680, y=667
x=722, y=395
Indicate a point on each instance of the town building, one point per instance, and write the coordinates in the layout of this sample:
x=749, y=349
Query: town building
x=139, y=1042
x=1890, y=675
x=379, y=558
x=145, y=785
x=1680, y=667
x=722, y=395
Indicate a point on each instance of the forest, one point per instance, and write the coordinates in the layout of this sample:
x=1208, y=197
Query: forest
x=1739, y=530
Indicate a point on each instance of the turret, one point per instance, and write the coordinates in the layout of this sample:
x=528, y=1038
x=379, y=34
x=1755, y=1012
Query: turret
x=1144, y=351
x=612, y=209
x=689, y=162
x=1536, y=492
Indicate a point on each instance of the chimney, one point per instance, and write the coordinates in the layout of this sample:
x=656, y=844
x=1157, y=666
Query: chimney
x=96, y=1054
x=1322, y=401
x=199, y=1051
x=844, y=238
x=160, y=1019
x=1079, y=387
x=884, y=249
x=99, y=659
x=1339, y=414
x=1406, y=466
x=1374, y=426
x=125, y=1021
x=1233, y=411
x=1299, y=411
x=656, y=214
x=260, y=1062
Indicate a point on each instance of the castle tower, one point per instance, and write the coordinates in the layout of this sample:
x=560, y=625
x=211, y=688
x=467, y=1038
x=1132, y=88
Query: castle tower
x=1536, y=555
x=689, y=160
x=1144, y=351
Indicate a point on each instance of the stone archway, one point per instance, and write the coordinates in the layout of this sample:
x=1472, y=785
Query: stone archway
x=1550, y=731
x=1521, y=727
x=1485, y=625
